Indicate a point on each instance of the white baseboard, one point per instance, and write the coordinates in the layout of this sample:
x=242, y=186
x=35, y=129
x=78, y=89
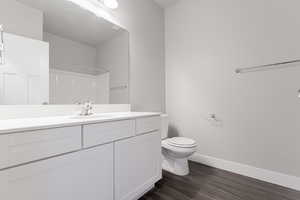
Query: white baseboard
x=246, y=170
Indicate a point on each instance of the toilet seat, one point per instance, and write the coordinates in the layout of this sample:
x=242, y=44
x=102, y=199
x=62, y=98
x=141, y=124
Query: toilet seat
x=181, y=142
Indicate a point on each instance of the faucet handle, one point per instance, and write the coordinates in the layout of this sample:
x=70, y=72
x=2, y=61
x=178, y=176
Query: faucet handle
x=90, y=107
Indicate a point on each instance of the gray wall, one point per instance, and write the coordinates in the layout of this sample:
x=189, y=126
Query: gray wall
x=21, y=20
x=113, y=55
x=69, y=55
x=145, y=22
x=205, y=41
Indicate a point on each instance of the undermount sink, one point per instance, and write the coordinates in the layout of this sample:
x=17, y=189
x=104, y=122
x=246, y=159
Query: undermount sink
x=95, y=116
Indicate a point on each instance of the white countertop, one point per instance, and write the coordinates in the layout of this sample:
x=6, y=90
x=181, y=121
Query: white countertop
x=30, y=124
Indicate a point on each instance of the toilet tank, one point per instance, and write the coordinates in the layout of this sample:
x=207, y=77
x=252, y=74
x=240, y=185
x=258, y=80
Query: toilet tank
x=164, y=126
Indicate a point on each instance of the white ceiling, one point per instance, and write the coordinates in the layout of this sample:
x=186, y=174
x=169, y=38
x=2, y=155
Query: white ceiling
x=68, y=20
x=165, y=3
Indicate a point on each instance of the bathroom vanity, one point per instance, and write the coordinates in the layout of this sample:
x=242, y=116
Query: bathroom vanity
x=114, y=156
x=82, y=60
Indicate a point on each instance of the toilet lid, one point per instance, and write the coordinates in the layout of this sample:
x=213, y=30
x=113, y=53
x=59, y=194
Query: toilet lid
x=181, y=142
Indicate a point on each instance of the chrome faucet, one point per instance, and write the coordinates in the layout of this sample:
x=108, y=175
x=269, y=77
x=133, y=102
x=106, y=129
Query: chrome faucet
x=87, y=109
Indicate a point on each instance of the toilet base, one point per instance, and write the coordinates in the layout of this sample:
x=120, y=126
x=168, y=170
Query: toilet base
x=175, y=166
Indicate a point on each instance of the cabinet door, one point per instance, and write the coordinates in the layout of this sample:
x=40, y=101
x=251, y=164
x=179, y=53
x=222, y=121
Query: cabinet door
x=137, y=165
x=77, y=176
x=96, y=134
x=28, y=146
x=25, y=72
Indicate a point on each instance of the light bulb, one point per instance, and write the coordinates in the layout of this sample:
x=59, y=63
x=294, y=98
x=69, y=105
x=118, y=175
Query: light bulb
x=91, y=7
x=112, y=4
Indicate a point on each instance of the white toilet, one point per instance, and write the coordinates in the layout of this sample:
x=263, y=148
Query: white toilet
x=176, y=151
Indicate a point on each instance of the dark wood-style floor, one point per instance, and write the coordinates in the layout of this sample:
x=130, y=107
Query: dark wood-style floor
x=206, y=183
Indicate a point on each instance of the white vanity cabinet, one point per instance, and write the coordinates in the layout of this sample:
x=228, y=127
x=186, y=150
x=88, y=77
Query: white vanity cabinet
x=109, y=160
x=28, y=146
x=147, y=124
x=87, y=174
x=137, y=165
x=96, y=134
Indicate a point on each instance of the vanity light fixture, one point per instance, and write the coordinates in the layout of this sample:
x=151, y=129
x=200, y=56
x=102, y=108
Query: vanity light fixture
x=112, y=4
x=94, y=6
x=298, y=93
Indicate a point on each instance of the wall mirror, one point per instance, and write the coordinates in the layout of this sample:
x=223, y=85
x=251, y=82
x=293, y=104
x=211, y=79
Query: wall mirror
x=80, y=57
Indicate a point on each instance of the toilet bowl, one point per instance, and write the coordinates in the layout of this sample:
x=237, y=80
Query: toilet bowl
x=176, y=151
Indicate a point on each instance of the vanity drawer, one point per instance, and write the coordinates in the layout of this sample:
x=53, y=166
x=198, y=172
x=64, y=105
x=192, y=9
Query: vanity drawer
x=96, y=134
x=148, y=124
x=18, y=148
